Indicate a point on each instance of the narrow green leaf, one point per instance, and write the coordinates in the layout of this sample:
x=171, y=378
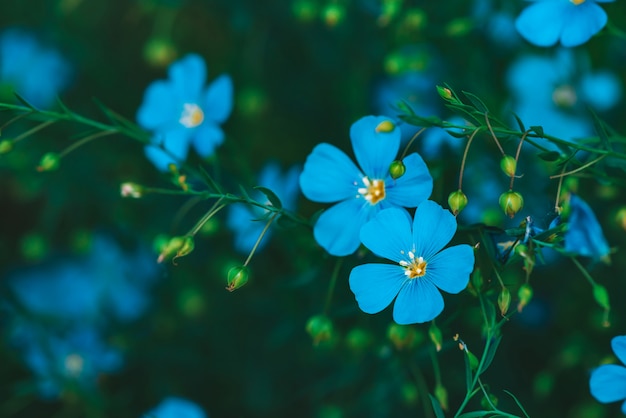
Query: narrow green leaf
x=436, y=407
x=518, y=403
x=491, y=353
x=600, y=128
x=519, y=123
x=476, y=414
x=211, y=184
x=271, y=196
x=25, y=102
x=538, y=130
x=64, y=108
x=478, y=104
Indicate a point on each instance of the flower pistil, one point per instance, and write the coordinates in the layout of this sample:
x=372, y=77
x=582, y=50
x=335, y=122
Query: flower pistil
x=192, y=115
x=416, y=267
x=374, y=190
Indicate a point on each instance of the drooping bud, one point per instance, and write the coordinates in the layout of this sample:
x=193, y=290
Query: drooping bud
x=49, y=162
x=601, y=295
x=441, y=394
x=129, y=189
x=508, y=165
x=525, y=295
x=403, y=336
x=521, y=250
x=171, y=248
x=457, y=201
x=511, y=202
x=320, y=328
x=397, y=169
x=186, y=248
x=435, y=335
x=504, y=301
x=385, y=126
x=237, y=277
x=6, y=146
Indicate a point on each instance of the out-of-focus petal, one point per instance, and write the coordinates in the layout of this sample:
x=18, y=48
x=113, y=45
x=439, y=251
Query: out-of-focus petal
x=218, y=101
x=188, y=76
x=159, y=107
x=582, y=22
x=176, y=142
x=540, y=23
x=206, y=138
x=608, y=383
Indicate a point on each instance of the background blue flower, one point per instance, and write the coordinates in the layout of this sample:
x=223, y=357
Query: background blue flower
x=584, y=234
x=608, y=382
x=330, y=176
x=422, y=267
x=182, y=112
x=173, y=407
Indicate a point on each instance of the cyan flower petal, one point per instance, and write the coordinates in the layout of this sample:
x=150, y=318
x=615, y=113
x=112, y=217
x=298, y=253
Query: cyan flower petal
x=584, y=21
x=176, y=142
x=388, y=234
x=584, y=234
x=160, y=108
x=375, y=285
x=206, y=138
x=608, y=383
x=602, y=90
x=337, y=229
x=373, y=150
x=413, y=187
x=449, y=270
x=541, y=23
x=176, y=408
x=188, y=76
x=218, y=101
x=418, y=301
x=618, y=344
x=433, y=228
x=329, y=175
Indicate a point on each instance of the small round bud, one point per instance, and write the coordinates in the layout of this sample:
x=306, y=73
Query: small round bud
x=403, y=336
x=511, y=202
x=320, y=328
x=525, y=295
x=6, y=146
x=304, y=10
x=457, y=201
x=237, y=277
x=486, y=404
x=397, y=169
x=333, y=14
x=410, y=393
x=504, y=301
x=601, y=295
x=445, y=93
x=435, y=336
x=49, y=162
x=385, y=126
x=508, y=165
x=159, y=53
x=358, y=339
x=131, y=190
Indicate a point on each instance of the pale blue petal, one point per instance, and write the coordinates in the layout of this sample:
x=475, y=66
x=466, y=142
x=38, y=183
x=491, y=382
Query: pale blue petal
x=608, y=383
x=449, y=270
x=176, y=142
x=188, y=76
x=374, y=151
x=582, y=23
x=413, y=187
x=541, y=23
x=433, y=228
x=206, y=138
x=618, y=344
x=388, y=234
x=337, y=229
x=584, y=234
x=247, y=229
x=418, y=301
x=218, y=101
x=176, y=408
x=159, y=107
x=329, y=175
x=601, y=90
x=375, y=285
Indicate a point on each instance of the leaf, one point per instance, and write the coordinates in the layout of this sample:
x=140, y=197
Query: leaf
x=490, y=354
x=549, y=156
x=65, y=109
x=25, y=102
x=476, y=414
x=478, y=104
x=271, y=196
x=209, y=180
x=285, y=222
x=538, y=130
x=519, y=123
x=600, y=128
x=517, y=402
x=436, y=407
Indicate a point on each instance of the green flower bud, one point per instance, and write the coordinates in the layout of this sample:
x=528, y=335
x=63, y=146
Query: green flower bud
x=358, y=339
x=304, y=10
x=237, y=277
x=159, y=53
x=435, y=335
x=504, y=301
x=397, y=169
x=6, y=146
x=414, y=18
x=333, y=14
x=601, y=295
x=320, y=328
x=441, y=394
x=129, y=189
x=485, y=404
x=49, y=162
x=445, y=93
x=385, y=126
x=525, y=294
x=410, y=393
x=186, y=248
x=508, y=165
x=620, y=217
x=403, y=336
x=171, y=248
x=511, y=202
x=457, y=201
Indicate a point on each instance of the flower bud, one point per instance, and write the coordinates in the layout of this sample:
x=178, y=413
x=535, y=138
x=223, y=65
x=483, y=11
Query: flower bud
x=49, y=162
x=385, y=126
x=6, y=146
x=333, y=14
x=397, y=169
x=237, y=277
x=504, y=300
x=409, y=393
x=511, y=202
x=620, y=217
x=358, y=339
x=486, y=405
x=186, y=248
x=403, y=336
x=320, y=328
x=601, y=295
x=131, y=190
x=508, y=165
x=304, y=10
x=441, y=394
x=159, y=52
x=445, y=93
x=525, y=294
x=457, y=201
x=171, y=248
x=435, y=335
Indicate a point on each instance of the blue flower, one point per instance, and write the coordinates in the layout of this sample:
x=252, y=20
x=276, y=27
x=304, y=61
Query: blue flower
x=584, y=234
x=422, y=267
x=608, y=382
x=34, y=72
x=330, y=176
x=173, y=407
x=572, y=22
x=181, y=112
x=247, y=222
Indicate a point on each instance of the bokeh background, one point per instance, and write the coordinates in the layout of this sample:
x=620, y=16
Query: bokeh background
x=78, y=262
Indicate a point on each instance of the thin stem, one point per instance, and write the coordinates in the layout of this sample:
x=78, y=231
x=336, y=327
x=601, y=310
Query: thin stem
x=582, y=167
x=13, y=119
x=258, y=241
x=33, y=130
x=519, y=149
x=557, y=208
x=584, y=271
x=84, y=141
x=332, y=284
x=211, y=212
x=467, y=146
x=493, y=135
x=406, y=149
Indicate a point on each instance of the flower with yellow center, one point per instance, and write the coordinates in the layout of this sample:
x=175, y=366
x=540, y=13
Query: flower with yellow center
x=374, y=190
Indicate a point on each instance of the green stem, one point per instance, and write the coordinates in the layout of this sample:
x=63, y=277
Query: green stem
x=332, y=284
x=258, y=241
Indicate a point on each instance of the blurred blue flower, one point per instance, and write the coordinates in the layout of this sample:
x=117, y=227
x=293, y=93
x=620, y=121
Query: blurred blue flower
x=330, y=176
x=31, y=70
x=572, y=22
x=245, y=220
x=173, y=407
x=608, y=382
x=435, y=140
x=63, y=358
x=422, y=266
x=584, y=234
x=182, y=112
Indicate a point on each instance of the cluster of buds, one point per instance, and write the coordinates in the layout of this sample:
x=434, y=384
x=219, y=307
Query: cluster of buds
x=176, y=247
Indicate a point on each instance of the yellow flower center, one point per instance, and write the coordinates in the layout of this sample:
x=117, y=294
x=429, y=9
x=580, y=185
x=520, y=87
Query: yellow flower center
x=374, y=190
x=577, y=2
x=74, y=364
x=192, y=115
x=416, y=267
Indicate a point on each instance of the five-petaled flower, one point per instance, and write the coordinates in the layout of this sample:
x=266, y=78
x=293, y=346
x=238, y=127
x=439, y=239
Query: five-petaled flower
x=421, y=266
x=608, y=382
x=330, y=176
x=181, y=112
x=572, y=22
